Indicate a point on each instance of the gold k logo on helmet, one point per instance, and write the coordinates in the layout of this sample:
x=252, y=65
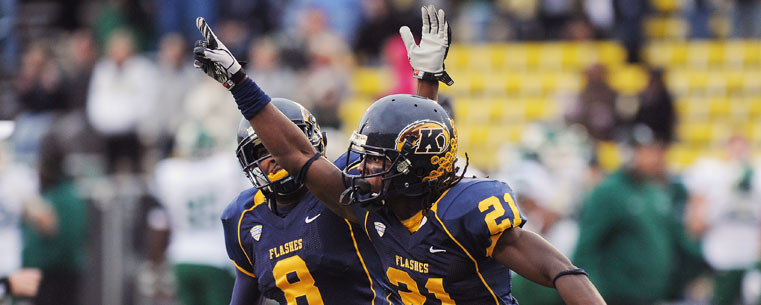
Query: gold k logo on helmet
x=427, y=137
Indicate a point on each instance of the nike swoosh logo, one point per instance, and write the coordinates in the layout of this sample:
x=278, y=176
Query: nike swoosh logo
x=308, y=220
x=432, y=250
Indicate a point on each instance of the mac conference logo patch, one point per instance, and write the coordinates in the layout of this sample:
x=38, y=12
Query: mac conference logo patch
x=256, y=232
x=380, y=227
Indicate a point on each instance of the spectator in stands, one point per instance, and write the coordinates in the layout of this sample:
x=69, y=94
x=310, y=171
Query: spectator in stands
x=395, y=56
x=698, y=13
x=8, y=32
x=40, y=81
x=554, y=15
x=18, y=187
x=326, y=81
x=123, y=89
x=629, y=233
x=54, y=234
x=595, y=108
x=630, y=17
x=601, y=16
x=80, y=60
x=178, y=16
x=20, y=284
x=379, y=24
x=724, y=211
x=176, y=74
x=41, y=95
x=267, y=69
x=341, y=17
x=746, y=19
x=656, y=108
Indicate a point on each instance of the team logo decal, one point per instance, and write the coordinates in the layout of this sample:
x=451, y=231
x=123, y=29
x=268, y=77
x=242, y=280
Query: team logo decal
x=380, y=227
x=427, y=137
x=256, y=232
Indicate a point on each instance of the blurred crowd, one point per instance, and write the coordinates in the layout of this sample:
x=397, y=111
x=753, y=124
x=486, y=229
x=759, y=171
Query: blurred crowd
x=114, y=135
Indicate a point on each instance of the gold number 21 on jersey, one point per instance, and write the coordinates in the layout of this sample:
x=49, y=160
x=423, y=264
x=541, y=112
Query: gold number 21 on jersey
x=413, y=296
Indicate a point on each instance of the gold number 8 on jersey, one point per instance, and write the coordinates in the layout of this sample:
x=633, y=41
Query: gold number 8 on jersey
x=304, y=286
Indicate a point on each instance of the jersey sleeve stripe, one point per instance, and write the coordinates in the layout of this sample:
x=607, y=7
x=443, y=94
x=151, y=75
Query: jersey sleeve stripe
x=475, y=263
x=361, y=260
x=244, y=270
x=494, y=239
x=240, y=243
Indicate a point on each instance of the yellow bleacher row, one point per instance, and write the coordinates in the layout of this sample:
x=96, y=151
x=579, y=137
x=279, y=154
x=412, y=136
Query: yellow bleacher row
x=627, y=79
x=486, y=123
x=577, y=55
x=500, y=88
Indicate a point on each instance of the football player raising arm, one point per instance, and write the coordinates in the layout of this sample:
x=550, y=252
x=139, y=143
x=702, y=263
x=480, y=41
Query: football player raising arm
x=441, y=238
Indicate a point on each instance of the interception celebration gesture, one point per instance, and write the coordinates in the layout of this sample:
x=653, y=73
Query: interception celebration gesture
x=427, y=58
x=214, y=59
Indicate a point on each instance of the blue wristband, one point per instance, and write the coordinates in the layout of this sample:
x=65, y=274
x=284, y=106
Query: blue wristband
x=250, y=98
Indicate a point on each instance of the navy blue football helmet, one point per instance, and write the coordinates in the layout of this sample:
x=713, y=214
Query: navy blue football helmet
x=417, y=139
x=281, y=182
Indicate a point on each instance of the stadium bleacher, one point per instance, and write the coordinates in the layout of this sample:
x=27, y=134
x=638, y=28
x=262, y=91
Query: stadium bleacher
x=500, y=88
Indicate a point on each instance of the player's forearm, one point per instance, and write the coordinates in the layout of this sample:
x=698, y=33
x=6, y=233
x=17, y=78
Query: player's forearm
x=283, y=139
x=429, y=89
x=578, y=289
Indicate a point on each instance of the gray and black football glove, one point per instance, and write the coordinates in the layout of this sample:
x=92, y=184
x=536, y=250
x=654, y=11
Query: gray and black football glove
x=214, y=59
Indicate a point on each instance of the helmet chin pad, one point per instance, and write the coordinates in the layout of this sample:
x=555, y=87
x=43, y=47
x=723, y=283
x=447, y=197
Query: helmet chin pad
x=277, y=175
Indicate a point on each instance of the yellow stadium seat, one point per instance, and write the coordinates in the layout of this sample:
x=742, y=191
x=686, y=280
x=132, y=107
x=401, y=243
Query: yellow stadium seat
x=656, y=54
x=694, y=107
x=678, y=52
x=609, y=155
x=514, y=83
x=752, y=54
x=752, y=82
x=537, y=109
x=568, y=82
x=754, y=108
x=678, y=81
x=719, y=107
x=370, y=81
x=734, y=80
x=666, y=28
x=695, y=133
x=698, y=80
x=667, y=6
x=497, y=54
x=458, y=56
x=352, y=110
x=611, y=53
x=716, y=82
x=629, y=79
x=534, y=55
x=513, y=108
x=515, y=56
x=552, y=55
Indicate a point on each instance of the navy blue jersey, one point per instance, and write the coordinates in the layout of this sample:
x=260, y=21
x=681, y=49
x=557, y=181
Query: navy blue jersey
x=310, y=256
x=448, y=259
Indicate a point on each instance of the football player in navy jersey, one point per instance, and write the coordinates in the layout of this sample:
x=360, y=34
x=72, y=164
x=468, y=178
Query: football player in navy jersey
x=288, y=246
x=442, y=239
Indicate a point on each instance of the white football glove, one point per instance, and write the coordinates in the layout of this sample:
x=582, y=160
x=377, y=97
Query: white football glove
x=427, y=59
x=213, y=57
